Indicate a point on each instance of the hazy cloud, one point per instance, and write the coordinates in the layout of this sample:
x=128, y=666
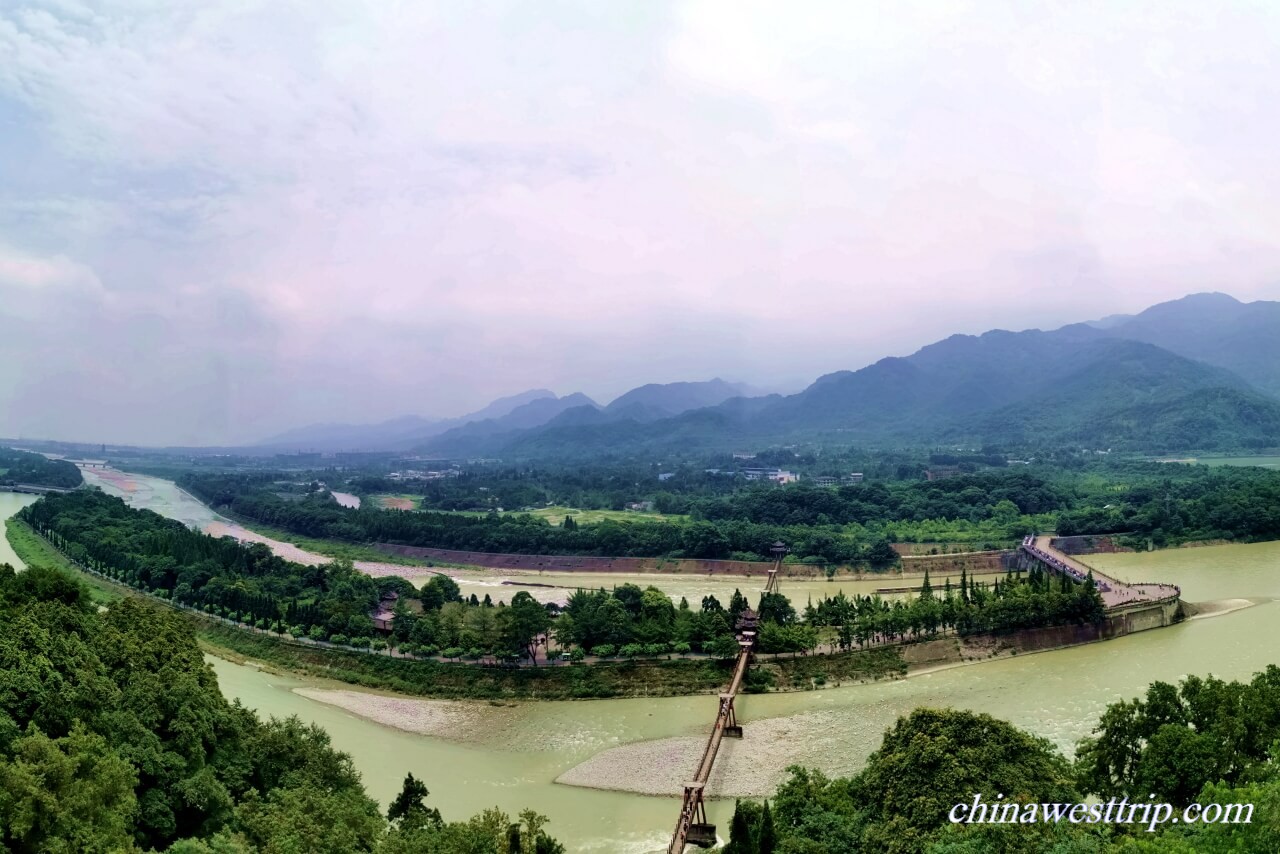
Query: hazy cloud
x=219, y=222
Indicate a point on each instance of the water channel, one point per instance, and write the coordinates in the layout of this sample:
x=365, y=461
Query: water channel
x=514, y=754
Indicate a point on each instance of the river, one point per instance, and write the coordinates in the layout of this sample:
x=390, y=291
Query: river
x=10, y=503
x=515, y=754
x=166, y=498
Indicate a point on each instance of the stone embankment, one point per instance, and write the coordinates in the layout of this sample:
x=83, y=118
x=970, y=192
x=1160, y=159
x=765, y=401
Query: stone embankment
x=973, y=562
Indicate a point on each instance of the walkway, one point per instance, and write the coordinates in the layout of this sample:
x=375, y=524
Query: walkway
x=1115, y=593
x=692, y=828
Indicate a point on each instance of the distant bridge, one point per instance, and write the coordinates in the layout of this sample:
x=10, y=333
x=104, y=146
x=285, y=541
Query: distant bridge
x=693, y=828
x=1115, y=593
x=31, y=488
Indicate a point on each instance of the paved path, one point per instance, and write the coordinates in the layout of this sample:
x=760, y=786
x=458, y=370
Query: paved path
x=1115, y=593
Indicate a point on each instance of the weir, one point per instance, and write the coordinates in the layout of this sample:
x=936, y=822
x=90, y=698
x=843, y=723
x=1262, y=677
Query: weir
x=692, y=828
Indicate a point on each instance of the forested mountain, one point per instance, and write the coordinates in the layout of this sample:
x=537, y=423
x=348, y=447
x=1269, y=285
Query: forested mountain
x=1078, y=384
x=1217, y=329
x=577, y=414
x=396, y=434
x=667, y=399
x=1199, y=373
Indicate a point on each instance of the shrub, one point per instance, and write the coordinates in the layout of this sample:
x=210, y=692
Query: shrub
x=604, y=650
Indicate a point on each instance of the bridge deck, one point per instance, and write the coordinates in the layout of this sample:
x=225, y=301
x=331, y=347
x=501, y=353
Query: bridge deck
x=1115, y=593
x=692, y=826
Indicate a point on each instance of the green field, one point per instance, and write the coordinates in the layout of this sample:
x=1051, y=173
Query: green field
x=415, y=501
x=555, y=515
x=1266, y=462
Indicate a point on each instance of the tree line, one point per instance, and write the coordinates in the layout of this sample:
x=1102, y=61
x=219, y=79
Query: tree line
x=319, y=516
x=1149, y=502
x=248, y=584
x=37, y=470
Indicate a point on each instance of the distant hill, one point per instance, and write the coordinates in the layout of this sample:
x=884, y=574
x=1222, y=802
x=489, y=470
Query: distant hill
x=476, y=435
x=662, y=400
x=1198, y=373
x=648, y=403
x=1217, y=329
x=396, y=434
x=1081, y=384
x=1128, y=394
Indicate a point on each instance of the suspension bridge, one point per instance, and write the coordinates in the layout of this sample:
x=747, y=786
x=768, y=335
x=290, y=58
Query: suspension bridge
x=693, y=828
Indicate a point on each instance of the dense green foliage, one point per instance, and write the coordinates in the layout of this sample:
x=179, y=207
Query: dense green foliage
x=1204, y=741
x=247, y=584
x=153, y=553
x=1179, y=739
x=115, y=738
x=847, y=525
x=1016, y=602
x=250, y=585
x=37, y=470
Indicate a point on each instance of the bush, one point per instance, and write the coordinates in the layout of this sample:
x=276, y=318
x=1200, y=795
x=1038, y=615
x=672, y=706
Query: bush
x=340, y=640
x=604, y=650
x=577, y=655
x=317, y=633
x=655, y=649
x=378, y=644
x=681, y=648
x=360, y=643
x=631, y=650
x=453, y=652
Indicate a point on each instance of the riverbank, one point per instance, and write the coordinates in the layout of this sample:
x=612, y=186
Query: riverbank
x=34, y=550
x=652, y=678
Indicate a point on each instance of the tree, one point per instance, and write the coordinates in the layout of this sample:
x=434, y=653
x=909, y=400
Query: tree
x=933, y=759
x=525, y=621
x=766, y=837
x=881, y=554
x=70, y=794
x=741, y=834
x=408, y=809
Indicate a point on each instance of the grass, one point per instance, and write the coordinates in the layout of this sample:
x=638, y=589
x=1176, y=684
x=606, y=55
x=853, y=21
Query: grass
x=1261, y=461
x=414, y=500
x=1270, y=462
x=555, y=515
x=34, y=551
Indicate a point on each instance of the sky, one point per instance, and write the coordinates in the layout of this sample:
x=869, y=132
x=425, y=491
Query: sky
x=220, y=220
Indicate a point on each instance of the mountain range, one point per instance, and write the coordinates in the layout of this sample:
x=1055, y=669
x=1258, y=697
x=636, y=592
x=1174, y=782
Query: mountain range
x=505, y=416
x=1197, y=373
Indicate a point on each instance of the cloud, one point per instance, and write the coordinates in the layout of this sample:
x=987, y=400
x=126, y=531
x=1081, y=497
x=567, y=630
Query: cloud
x=22, y=271
x=262, y=213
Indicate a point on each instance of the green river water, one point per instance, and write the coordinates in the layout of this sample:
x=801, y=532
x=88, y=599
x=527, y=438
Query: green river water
x=1057, y=694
